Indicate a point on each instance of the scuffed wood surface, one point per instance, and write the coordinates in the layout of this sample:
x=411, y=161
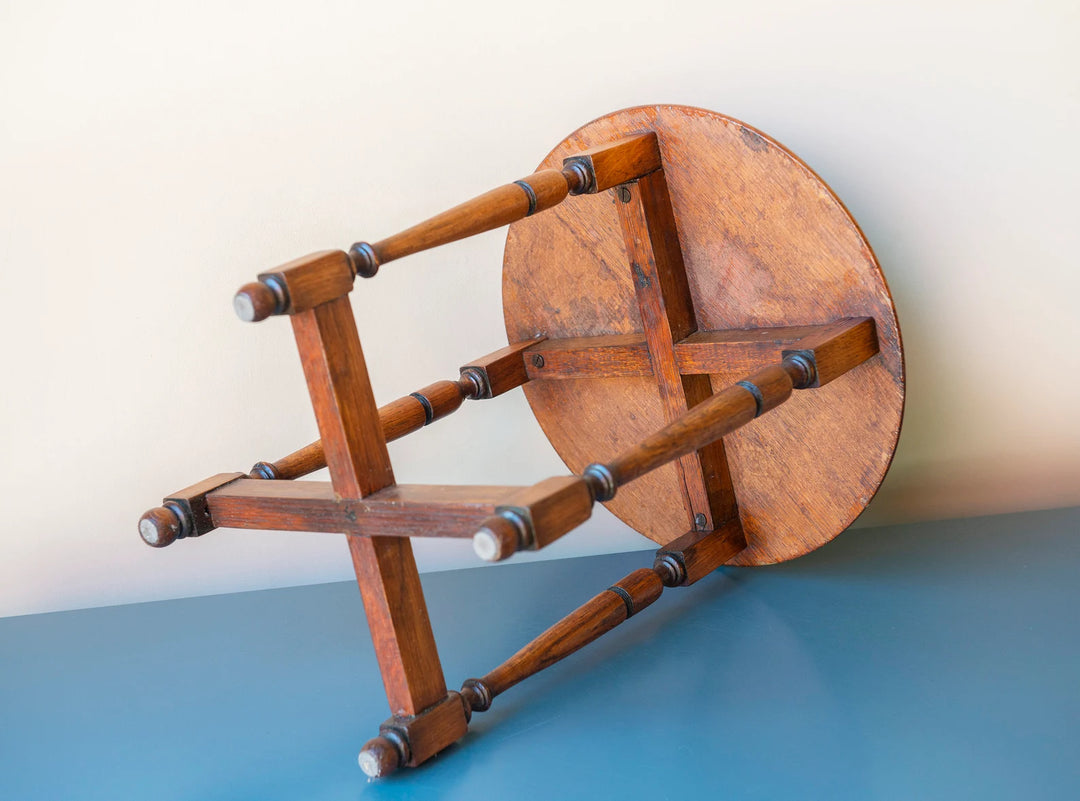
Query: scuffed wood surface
x=766, y=244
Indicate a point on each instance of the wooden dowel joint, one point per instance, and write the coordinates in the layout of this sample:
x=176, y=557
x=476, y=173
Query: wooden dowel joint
x=694, y=555
x=364, y=261
x=478, y=380
x=614, y=163
x=601, y=482
x=831, y=351
x=264, y=470
x=477, y=695
x=802, y=367
x=578, y=176
x=295, y=287
x=474, y=383
x=670, y=569
x=580, y=166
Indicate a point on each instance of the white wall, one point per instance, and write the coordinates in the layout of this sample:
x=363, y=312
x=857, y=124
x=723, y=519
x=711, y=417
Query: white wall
x=156, y=156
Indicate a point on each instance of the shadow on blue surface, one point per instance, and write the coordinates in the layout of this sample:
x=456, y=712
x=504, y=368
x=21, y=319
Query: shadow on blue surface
x=937, y=660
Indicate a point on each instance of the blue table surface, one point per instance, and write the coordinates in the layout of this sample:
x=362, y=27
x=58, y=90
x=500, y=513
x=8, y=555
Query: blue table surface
x=937, y=660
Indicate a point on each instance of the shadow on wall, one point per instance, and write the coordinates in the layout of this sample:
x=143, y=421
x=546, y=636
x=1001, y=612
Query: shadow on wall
x=944, y=489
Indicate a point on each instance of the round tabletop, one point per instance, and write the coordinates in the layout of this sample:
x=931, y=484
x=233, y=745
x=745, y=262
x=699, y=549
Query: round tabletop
x=766, y=244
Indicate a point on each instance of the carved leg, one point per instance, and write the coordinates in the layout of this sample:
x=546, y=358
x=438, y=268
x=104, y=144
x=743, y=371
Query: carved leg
x=683, y=562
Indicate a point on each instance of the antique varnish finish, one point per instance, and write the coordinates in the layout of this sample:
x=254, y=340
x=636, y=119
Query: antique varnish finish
x=765, y=244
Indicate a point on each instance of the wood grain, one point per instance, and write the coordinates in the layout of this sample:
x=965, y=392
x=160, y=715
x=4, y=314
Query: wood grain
x=492, y=209
x=183, y=514
x=500, y=371
x=582, y=626
x=426, y=734
x=667, y=313
x=617, y=162
x=718, y=416
x=197, y=516
x=837, y=348
x=626, y=355
x=485, y=377
x=696, y=554
x=593, y=170
x=550, y=508
x=766, y=245
x=588, y=357
x=359, y=465
x=738, y=351
x=400, y=510
x=313, y=280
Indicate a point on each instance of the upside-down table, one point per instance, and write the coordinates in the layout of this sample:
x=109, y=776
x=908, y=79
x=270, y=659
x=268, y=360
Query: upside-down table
x=703, y=334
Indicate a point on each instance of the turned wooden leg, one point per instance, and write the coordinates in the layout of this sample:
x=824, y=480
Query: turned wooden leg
x=586, y=623
x=683, y=562
x=486, y=377
x=591, y=171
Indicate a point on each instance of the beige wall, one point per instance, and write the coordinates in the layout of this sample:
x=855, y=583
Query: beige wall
x=156, y=156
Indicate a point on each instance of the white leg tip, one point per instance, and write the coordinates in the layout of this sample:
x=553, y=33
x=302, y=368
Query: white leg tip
x=486, y=545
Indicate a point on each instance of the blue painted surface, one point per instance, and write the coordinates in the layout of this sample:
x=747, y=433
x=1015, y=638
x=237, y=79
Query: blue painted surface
x=931, y=661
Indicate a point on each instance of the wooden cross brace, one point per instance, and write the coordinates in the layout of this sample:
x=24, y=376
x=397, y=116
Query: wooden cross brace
x=363, y=500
